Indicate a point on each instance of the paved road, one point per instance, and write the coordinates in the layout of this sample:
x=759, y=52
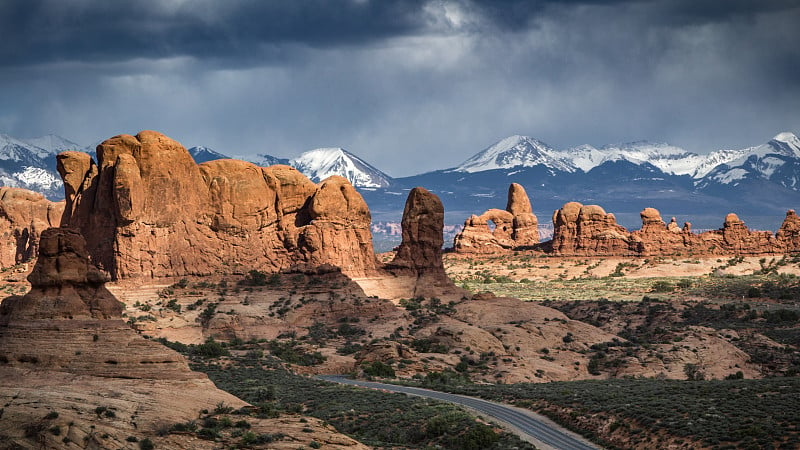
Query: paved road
x=538, y=430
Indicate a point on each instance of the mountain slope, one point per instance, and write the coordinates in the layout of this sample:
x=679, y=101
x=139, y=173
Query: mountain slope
x=777, y=161
x=29, y=166
x=321, y=163
x=202, y=154
x=516, y=151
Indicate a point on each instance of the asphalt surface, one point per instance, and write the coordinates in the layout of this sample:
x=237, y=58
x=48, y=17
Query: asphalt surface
x=537, y=431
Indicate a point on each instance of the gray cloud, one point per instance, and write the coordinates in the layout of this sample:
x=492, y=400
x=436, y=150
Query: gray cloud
x=409, y=86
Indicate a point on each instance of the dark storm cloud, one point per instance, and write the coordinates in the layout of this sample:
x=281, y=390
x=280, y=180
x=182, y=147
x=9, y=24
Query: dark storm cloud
x=408, y=85
x=36, y=31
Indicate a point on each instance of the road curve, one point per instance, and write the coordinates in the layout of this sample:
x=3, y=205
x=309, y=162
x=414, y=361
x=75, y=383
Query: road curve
x=533, y=428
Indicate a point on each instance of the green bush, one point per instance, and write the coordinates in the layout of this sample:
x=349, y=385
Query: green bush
x=378, y=369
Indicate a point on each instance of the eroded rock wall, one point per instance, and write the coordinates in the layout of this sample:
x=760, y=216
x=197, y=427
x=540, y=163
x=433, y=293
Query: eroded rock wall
x=147, y=209
x=590, y=231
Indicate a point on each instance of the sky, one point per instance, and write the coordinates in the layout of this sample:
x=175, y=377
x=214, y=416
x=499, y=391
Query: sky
x=409, y=86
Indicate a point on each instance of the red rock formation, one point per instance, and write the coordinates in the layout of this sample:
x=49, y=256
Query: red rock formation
x=517, y=226
x=423, y=222
x=23, y=216
x=65, y=349
x=420, y=253
x=53, y=325
x=587, y=230
x=147, y=209
x=789, y=233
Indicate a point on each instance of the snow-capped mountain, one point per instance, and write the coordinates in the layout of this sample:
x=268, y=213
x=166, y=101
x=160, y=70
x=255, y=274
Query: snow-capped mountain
x=321, y=163
x=52, y=144
x=202, y=154
x=667, y=158
x=264, y=160
x=30, y=163
x=516, y=151
x=722, y=166
x=777, y=161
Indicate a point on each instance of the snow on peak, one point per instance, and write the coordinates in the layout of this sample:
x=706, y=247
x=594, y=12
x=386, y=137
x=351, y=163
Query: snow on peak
x=515, y=151
x=51, y=144
x=787, y=137
x=321, y=163
x=202, y=154
x=38, y=179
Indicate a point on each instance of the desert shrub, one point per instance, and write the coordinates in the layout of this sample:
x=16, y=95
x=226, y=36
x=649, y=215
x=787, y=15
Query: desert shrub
x=209, y=349
x=292, y=353
x=378, y=369
x=662, y=286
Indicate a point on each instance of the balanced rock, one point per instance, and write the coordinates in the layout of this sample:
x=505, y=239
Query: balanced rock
x=147, y=209
x=514, y=227
x=23, y=216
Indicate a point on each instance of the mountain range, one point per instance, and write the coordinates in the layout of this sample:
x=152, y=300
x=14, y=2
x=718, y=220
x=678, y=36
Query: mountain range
x=758, y=182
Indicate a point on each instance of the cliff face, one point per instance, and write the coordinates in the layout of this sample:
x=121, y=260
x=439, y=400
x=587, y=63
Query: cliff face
x=516, y=226
x=147, y=209
x=23, y=216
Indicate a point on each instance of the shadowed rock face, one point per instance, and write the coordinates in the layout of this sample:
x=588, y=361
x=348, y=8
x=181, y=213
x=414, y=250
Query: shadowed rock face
x=147, y=209
x=64, y=284
x=23, y=216
x=423, y=222
x=70, y=322
x=420, y=253
x=516, y=226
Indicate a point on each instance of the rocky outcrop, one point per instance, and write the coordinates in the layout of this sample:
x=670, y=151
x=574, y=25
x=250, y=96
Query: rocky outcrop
x=589, y=231
x=70, y=363
x=514, y=227
x=423, y=222
x=147, y=209
x=23, y=216
x=417, y=269
x=53, y=325
x=788, y=234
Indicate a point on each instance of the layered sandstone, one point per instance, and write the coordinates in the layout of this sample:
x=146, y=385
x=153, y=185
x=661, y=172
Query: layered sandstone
x=147, y=209
x=70, y=363
x=514, y=227
x=23, y=216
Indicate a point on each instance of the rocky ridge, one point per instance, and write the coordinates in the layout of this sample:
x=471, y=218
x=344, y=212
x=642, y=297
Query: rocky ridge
x=588, y=230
